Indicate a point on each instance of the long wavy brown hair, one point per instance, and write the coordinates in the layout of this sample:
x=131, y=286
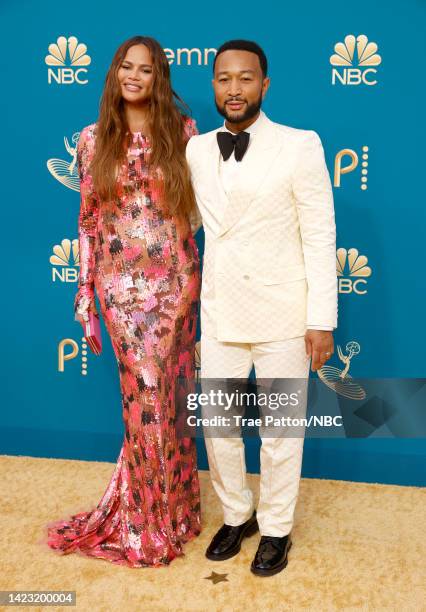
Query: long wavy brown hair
x=166, y=128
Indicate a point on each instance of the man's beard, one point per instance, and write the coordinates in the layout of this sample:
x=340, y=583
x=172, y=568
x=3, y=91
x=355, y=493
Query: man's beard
x=250, y=112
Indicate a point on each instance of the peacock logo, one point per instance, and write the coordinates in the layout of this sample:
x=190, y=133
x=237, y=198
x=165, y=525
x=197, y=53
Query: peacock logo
x=354, y=60
x=345, y=52
x=352, y=270
x=68, y=350
x=352, y=157
x=65, y=260
x=67, y=59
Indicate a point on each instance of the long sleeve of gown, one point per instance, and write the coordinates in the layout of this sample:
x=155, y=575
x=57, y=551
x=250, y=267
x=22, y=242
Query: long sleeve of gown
x=87, y=224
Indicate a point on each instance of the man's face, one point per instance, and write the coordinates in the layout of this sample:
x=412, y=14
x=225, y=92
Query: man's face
x=239, y=85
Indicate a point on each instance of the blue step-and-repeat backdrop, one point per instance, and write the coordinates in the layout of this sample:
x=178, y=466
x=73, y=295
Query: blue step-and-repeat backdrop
x=351, y=72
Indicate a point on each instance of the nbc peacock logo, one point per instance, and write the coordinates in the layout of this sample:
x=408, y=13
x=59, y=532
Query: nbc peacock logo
x=354, y=61
x=66, y=172
x=65, y=261
x=67, y=59
x=352, y=271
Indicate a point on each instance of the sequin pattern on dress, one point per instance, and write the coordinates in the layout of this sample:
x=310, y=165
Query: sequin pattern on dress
x=144, y=264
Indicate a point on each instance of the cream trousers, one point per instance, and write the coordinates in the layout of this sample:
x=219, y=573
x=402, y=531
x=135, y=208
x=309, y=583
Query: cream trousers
x=280, y=457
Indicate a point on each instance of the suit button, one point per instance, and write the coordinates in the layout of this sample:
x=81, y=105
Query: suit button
x=246, y=276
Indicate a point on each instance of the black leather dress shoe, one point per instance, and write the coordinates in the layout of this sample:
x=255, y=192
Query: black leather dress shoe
x=227, y=541
x=271, y=556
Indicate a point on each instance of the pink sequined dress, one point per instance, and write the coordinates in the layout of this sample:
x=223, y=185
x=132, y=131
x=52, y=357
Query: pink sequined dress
x=144, y=265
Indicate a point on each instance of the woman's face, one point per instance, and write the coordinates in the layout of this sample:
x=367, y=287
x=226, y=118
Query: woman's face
x=135, y=75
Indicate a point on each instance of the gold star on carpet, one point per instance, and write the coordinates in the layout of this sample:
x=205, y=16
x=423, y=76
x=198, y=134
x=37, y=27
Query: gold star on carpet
x=215, y=578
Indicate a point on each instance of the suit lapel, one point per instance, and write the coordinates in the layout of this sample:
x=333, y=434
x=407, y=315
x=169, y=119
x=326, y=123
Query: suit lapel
x=258, y=159
x=215, y=167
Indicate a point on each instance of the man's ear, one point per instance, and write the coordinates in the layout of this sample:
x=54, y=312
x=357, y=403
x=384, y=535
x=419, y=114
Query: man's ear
x=265, y=86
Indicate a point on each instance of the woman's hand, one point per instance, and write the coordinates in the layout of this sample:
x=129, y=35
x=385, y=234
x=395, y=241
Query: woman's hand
x=82, y=313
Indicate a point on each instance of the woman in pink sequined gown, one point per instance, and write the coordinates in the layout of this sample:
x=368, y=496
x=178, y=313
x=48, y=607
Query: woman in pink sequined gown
x=137, y=250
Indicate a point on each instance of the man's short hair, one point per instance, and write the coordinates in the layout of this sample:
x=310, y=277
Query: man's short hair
x=244, y=45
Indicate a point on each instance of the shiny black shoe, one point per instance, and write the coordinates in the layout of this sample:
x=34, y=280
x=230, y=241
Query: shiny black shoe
x=271, y=556
x=227, y=541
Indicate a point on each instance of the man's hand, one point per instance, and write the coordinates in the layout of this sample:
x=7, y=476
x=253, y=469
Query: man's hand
x=320, y=346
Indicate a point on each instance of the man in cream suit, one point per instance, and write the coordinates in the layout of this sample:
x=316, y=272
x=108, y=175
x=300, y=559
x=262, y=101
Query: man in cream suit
x=269, y=288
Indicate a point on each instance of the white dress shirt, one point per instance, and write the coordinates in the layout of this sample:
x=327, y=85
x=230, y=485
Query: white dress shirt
x=228, y=170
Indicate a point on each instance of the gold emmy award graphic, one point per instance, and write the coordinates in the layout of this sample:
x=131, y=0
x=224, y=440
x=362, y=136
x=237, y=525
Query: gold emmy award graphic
x=354, y=159
x=340, y=380
x=357, y=267
x=344, y=55
x=64, y=356
x=67, y=57
x=66, y=172
x=67, y=273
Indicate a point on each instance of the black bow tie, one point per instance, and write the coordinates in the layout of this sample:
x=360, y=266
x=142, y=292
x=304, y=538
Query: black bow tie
x=229, y=142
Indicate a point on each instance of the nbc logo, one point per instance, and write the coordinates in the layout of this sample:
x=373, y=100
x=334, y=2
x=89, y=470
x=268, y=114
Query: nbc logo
x=352, y=164
x=67, y=57
x=68, y=350
x=365, y=58
x=352, y=270
x=67, y=271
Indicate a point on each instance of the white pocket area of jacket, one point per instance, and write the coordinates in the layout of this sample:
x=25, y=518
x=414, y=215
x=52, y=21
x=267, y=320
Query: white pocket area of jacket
x=284, y=275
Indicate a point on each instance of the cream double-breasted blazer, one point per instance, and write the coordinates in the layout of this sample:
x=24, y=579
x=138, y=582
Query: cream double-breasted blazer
x=269, y=266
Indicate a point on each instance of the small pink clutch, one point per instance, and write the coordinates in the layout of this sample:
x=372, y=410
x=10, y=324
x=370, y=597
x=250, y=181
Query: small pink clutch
x=93, y=333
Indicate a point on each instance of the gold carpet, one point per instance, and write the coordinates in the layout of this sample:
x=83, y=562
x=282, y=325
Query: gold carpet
x=355, y=547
